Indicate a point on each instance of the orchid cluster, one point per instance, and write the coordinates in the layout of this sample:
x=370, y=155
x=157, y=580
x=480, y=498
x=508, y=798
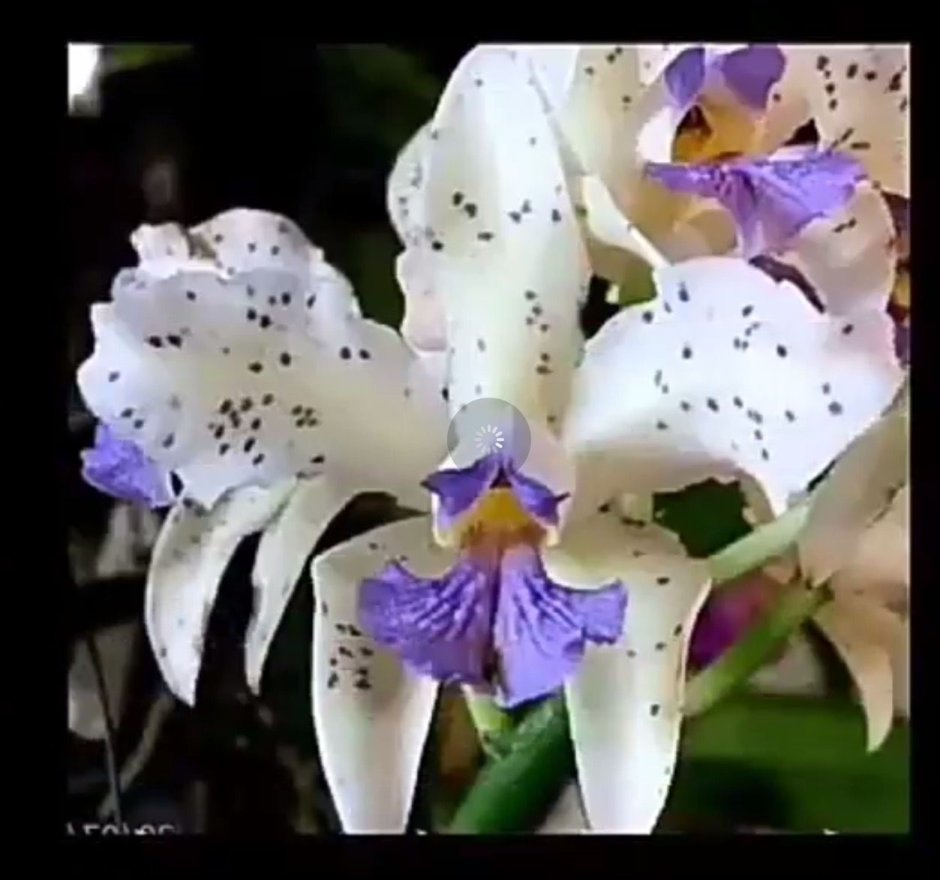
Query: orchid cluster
x=237, y=382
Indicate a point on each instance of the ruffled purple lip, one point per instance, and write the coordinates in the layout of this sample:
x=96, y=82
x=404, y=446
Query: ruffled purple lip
x=771, y=200
x=121, y=469
x=503, y=626
x=458, y=490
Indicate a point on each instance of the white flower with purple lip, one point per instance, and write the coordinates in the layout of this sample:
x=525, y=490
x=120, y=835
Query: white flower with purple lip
x=235, y=358
x=643, y=178
x=516, y=583
x=248, y=380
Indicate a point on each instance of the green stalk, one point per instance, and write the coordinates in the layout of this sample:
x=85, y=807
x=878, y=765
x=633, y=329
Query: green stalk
x=512, y=792
x=759, y=546
x=735, y=667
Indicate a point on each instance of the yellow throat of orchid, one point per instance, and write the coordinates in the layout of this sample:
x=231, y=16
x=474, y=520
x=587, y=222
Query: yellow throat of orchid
x=497, y=522
x=716, y=130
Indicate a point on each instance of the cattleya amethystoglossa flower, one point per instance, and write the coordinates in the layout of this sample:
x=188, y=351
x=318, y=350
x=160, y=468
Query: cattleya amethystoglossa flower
x=236, y=358
x=623, y=113
x=521, y=568
x=518, y=581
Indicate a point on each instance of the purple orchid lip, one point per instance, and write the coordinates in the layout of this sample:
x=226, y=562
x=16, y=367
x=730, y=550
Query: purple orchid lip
x=501, y=625
x=121, y=469
x=459, y=489
x=771, y=200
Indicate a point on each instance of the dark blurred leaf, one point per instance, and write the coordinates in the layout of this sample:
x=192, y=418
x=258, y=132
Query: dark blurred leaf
x=793, y=763
x=707, y=516
x=130, y=56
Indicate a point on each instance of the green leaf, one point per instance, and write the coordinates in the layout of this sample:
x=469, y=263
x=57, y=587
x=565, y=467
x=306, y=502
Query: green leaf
x=794, y=764
x=130, y=56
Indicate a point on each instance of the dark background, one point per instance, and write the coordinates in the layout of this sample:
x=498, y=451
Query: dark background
x=310, y=133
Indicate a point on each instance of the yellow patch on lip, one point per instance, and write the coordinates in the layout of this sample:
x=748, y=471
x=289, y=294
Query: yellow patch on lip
x=715, y=133
x=497, y=521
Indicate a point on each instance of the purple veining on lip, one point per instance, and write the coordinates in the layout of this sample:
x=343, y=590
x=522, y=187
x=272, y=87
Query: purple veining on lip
x=459, y=489
x=121, y=469
x=499, y=624
x=770, y=200
x=685, y=76
x=751, y=72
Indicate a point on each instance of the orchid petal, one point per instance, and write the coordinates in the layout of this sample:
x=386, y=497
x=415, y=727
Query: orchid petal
x=189, y=559
x=881, y=566
x=625, y=701
x=284, y=548
x=866, y=637
x=859, y=100
x=256, y=373
x=775, y=371
x=506, y=252
x=371, y=715
x=858, y=490
x=849, y=258
x=404, y=193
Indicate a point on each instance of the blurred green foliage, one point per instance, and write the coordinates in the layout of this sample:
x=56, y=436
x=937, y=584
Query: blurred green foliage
x=707, y=516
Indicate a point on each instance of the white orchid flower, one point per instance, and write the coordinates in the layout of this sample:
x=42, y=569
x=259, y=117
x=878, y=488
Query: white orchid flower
x=515, y=584
x=857, y=540
x=236, y=358
x=518, y=581
x=810, y=208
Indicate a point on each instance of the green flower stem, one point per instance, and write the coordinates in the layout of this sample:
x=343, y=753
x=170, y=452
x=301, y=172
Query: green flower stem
x=733, y=669
x=491, y=722
x=759, y=546
x=512, y=792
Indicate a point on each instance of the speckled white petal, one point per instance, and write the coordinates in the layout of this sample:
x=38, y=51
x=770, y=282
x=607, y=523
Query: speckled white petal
x=859, y=100
x=506, y=251
x=189, y=559
x=866, y=637
x=284, y=548
x=727, y=372
x=424, y=324
x=625, y=701
x=610, y=227
x=403, y=197
x=371, y=715
x=850, y=258
x=858, y=490
x=264, y=374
